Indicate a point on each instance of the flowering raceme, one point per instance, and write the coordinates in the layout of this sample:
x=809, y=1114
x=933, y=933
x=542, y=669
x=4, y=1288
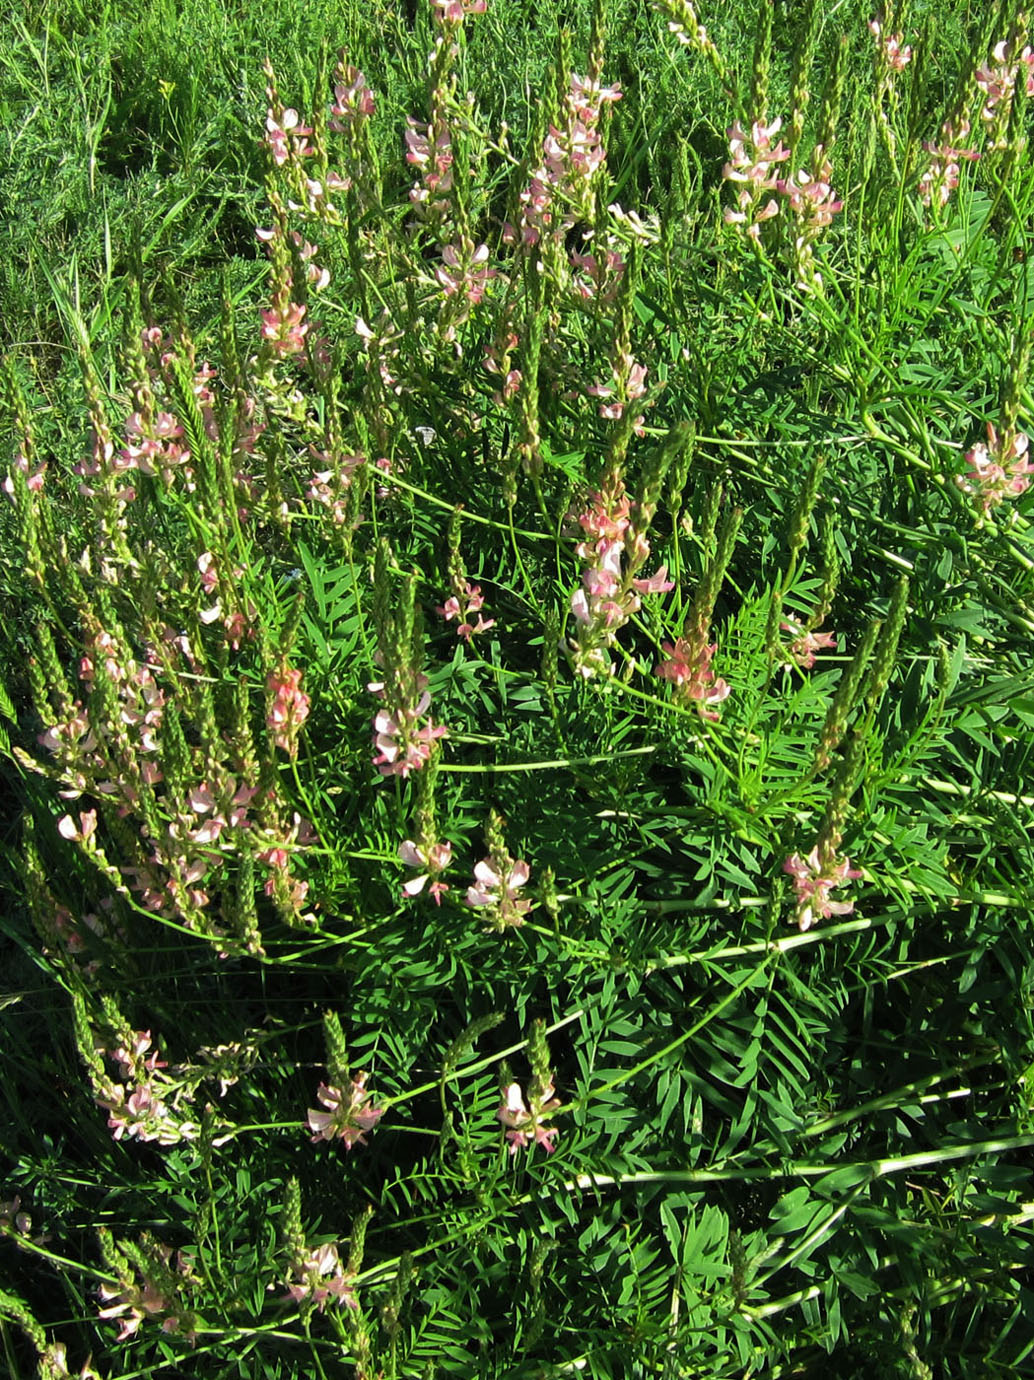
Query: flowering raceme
x=526, y=1125
x=752, y=160
x=561, y=189
x=689, y=669
x=353, y=99
x=610, y=590
x=806, y=642
x=286, y=136
x=814, y=878
x=144, y=1106
x=496, y=888
x=433, y=858
x=998, y=470
x=813, y=204
x=461, y=605
x=401, y=746
x=288, y=708
x=435, y=163
x=941, y=176
x=320, y=1278
x=997, y=81
x=894, y=55
x=349, y=1113
x=463, y=272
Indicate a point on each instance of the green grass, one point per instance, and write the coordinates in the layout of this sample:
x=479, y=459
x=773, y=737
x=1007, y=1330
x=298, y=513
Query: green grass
x=778, y=1149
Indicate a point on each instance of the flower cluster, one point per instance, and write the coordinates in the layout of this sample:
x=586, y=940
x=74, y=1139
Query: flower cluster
x=893, y=54
x=286, y=137
x=353, y=99
x=429, y=148
x=284, y=327
x=237, y=617
x=813, y=204
x=814, y=878
x=997, y=80
x=752, y=160
x=942, y=173
x=689, y=669
x=328, y=487
x=433, y=859
x=288, y=707
x=319, y=1278
x=33, y=470
x=625, y=387
x=149, y=1287
x=498, y=880
x=177, y=803
x=462, y=271
x=498, y=360
x=561, y=189
x=152, y=433
x=806, y=642
x=684, y=22
x=597, y=276
x=527, y=1124
x=809, y=194
x=463, y=277
x=453, y=11
x=349, y=1112
x=144, y=1105
x=497, y=884
x=401, y=746
x=614, y=550
x=467, y=600
x=998, y=470
x=110, y=759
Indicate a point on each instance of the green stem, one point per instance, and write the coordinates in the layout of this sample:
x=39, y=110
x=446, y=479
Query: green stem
x=553, y=765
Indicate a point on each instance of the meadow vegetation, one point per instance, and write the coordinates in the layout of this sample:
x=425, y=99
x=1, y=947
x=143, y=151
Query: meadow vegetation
x=516, y=712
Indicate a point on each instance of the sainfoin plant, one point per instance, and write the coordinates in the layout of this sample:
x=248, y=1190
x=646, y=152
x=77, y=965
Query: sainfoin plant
x=518, y=728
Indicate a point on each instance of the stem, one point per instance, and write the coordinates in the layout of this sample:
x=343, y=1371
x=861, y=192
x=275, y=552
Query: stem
x=546, y=766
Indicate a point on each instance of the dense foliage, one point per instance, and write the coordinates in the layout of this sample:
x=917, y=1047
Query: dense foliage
x=515, y=711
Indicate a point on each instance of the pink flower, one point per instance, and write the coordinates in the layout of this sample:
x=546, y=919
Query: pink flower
x=321, y=1278
x=284, y=328
x=998, y=470
x=689, y=670
x=896, y=57
x=942, y=175
x=435, y=859
x=811, y=197
x=289, y=708
x=752, y=160
x=132, y=1305
x=463, y=270
x=348, y=1115
x=814, y=878
x=526, y=1125
x=452, y=11
x=127, y=1058
x=462, y=606
x=287, y=137
x=352, y=99
x=401, y=747
x=501, y=897
x=806, y=644
x=85, y=830
x=656, y=584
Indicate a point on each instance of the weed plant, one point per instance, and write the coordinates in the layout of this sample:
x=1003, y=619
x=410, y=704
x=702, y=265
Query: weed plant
x=516, y=707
